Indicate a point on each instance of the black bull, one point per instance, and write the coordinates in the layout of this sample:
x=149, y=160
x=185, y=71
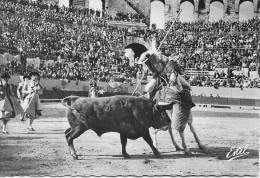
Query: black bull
x=129, y=116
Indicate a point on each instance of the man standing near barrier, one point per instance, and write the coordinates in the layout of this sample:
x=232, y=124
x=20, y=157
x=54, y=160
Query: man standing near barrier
x=21, y=96
x=32, y=106
x=93, y=92
x=9, y=106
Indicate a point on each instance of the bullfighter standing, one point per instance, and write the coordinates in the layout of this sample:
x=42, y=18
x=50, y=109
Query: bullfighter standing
x=21, y=96
x=32, y=106
x=9, y=106
x=93, y=92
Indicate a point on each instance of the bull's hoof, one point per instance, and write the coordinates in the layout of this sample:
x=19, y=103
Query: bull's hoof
x=202, y=147
x=125, y=155
x=157, y=153
x=187, y=152
x=177, y=148
x=75, y=157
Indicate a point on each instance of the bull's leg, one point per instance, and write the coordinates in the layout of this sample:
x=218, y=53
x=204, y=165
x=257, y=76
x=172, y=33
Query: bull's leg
x=172, y=138
x=155, y=139
x=67, y=134
x=154, y=135
x=124, y=142
x=67, y=131
x=149, y=140
x=71, y=135
x=186, y=149
x=192, y=129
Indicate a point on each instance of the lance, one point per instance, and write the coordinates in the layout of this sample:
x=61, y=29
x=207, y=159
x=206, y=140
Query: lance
x=169, y=29
x=158, y=49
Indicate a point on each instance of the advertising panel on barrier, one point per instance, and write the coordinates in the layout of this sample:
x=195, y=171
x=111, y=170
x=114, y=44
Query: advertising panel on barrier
x=244, y=71
x=8, y=57
x=61, y=60
x=18, y=57
x=253, y=75
x=198, y=91
x=2, y=62
x=48, y=62
x=35, y=62
x=219, y=70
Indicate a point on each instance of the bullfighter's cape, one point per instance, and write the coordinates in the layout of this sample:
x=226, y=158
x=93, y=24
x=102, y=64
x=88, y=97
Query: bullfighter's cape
x=8, y=103
x=31, y=105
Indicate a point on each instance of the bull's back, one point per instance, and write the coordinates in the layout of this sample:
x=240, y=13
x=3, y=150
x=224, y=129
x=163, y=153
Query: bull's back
x=113, y=114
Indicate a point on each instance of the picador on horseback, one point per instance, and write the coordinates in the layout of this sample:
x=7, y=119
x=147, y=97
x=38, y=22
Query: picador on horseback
x=172, y=92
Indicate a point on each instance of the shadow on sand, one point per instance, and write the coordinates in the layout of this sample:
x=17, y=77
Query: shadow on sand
x=21, y=138
x=211, y=152
x=42, y=133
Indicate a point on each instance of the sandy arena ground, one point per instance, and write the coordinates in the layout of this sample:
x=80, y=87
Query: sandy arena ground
x=45, y=151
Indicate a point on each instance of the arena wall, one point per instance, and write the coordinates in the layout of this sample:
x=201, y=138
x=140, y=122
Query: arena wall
x=115, y=6
x=246, y=93
x=172, y=7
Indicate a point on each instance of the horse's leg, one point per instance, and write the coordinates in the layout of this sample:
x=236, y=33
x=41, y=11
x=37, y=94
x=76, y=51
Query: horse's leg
x=169, y=112
x=172, y=138
x=67, y=131
x=192, y=129
x=186, y=149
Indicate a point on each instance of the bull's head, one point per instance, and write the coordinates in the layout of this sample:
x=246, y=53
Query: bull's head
x=160, y=119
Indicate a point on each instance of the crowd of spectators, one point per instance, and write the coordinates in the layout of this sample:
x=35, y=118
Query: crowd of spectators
x=101, y=72
x=89, y=46
x=127, y=17
x=231, y=80
x=209, y=59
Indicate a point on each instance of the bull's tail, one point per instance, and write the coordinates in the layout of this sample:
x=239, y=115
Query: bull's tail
x=67, y=101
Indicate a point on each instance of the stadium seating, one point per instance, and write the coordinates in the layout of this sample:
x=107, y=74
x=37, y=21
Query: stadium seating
x=83, y=45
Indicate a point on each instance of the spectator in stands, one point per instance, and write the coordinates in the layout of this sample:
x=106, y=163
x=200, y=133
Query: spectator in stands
x=230, y=74
x=52, y=32
x=222, y=74
x=216, y=85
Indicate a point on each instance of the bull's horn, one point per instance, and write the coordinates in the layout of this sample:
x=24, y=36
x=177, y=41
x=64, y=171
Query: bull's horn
x=67, y=101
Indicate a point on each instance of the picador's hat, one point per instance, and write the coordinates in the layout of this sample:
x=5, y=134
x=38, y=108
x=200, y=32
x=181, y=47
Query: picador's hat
x=154, y=62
